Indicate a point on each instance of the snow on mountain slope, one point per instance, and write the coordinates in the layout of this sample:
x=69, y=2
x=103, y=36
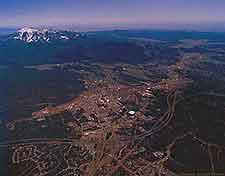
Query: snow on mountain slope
x=30, y=35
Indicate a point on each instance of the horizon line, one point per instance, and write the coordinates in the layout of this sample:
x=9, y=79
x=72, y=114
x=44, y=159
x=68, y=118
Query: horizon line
x=198, y=27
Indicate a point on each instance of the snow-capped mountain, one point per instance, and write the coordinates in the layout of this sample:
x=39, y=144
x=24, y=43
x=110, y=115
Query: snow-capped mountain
x=30, y=35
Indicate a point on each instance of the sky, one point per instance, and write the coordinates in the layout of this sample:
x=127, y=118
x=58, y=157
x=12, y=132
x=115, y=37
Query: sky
x=139, y=13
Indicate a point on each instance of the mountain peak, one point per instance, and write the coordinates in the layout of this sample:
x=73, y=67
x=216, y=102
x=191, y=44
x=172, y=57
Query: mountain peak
x=27, y=29
x=30, y=35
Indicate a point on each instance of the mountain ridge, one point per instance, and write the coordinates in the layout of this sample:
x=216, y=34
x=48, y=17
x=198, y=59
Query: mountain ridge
x=30, y=35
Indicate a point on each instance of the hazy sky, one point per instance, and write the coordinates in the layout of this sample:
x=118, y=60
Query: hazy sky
x=17, y=13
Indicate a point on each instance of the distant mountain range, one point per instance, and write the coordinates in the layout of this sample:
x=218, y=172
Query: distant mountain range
x=29, y=46
x=30, y=35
